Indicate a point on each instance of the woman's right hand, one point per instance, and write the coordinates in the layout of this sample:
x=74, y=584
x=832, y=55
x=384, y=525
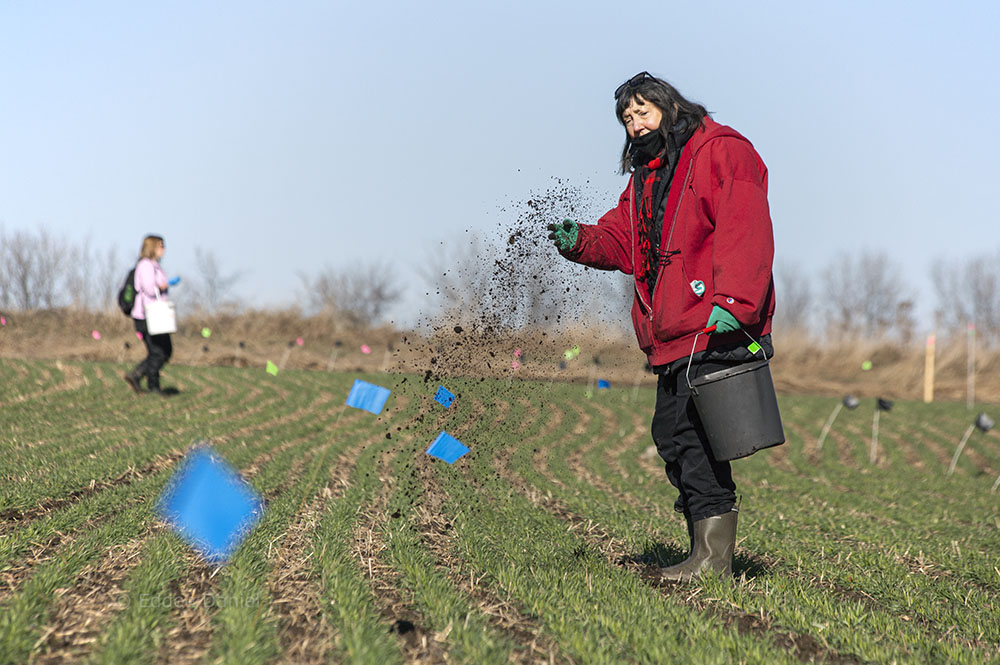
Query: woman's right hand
x=565, y=234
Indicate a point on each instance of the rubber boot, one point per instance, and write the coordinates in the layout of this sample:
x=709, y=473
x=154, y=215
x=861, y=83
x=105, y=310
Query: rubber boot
x=714, y=541
x=153, y=379
x=690, y=526
x=132, y=379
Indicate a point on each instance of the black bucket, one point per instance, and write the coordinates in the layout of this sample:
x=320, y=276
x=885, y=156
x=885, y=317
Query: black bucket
x=739, y=409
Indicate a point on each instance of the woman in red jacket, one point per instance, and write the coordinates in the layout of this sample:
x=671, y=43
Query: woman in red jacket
x=693, y=228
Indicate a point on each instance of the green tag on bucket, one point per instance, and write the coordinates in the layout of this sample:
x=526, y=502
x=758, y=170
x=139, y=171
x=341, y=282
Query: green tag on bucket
x=754, y=348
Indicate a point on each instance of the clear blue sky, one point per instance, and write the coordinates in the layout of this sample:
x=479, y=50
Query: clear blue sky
x=288, y=136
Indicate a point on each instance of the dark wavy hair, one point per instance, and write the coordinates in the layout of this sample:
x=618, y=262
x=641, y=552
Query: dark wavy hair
x=671, y=103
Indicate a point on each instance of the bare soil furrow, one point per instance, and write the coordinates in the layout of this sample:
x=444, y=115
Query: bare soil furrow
x=304, y=631
x=420, y=645
x=969, y=451
x=82, y=612
x=14, y=518
x=437, y=535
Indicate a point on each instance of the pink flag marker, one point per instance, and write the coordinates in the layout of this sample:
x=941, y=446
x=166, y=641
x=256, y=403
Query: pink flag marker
x=95, y=334
x=365, y=349
x=299, y=341
x=3, y=321
x=138, y=334
x=517, y=353
x=515, y=365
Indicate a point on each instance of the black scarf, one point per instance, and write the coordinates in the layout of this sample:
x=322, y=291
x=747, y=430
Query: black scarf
x=652, y=182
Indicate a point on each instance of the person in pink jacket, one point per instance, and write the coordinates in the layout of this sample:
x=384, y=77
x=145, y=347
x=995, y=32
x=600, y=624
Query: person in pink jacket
x=150, y=283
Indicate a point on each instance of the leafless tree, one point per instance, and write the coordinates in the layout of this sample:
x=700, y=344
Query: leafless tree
x=361, y=294
x=109, y=275
x=969, y=292
x=33, y=269
x=794, y=297
x=866, y=297
x=79, y=279
x=211, y=289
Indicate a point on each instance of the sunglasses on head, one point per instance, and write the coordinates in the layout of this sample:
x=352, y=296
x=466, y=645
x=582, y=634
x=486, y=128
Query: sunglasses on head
x=632, y=82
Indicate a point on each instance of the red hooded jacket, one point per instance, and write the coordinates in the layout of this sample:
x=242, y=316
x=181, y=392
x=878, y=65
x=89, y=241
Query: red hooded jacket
x=717, y=217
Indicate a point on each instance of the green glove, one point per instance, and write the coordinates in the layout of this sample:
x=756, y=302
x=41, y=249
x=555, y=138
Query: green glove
x=723, y=321
x=564, y=234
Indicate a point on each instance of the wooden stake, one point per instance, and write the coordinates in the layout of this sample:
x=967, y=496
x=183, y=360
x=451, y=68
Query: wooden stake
x=333, y=359
x=929, y=371
x=828, y=425
x=961, y=446
x=635, y=387
x=284, y=357
x=970, y=398
x=873, y=453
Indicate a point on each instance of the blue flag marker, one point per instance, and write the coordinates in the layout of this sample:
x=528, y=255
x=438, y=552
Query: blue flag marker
x=447, y=447
x=443, y=397
x=209, y=505
x=368, y=396
x=603, y=383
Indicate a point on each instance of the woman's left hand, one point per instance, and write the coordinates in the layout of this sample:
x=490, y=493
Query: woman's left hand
x=723, y=321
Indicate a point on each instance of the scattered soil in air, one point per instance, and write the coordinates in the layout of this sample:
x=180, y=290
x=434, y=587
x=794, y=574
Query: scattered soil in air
x=512, y=284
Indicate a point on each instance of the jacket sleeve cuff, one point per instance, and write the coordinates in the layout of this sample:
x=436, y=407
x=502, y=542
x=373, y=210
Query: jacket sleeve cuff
x=743, y=312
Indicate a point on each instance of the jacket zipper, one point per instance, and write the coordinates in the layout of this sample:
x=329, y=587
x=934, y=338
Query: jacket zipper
x=670, y=236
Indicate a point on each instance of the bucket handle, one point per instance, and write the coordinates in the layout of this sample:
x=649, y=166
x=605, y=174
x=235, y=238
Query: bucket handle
x=705, y=331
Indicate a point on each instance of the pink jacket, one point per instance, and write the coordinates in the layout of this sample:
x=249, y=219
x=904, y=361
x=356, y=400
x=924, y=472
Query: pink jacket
x=148, y=275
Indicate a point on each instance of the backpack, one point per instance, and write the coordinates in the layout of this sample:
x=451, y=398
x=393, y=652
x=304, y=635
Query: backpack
x=126, y=294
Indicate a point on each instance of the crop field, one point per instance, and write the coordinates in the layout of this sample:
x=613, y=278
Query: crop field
x=536, y=547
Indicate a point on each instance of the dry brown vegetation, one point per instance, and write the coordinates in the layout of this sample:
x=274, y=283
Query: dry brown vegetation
x=801, y=364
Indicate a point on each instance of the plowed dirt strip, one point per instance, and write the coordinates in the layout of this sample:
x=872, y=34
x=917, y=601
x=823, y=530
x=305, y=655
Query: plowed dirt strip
x=13, y=518
x=434, y=532
x=960, y=504
x=82, y=612
x=978, y=460
x=197, y=595
x=194, y=599
x=437, y=535
x=304, y=632
x=419, y=645
x=604, y=438
x=577, y=462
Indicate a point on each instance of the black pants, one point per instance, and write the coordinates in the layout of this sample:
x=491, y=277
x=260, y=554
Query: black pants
x=158, y=351
x=705, y=484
